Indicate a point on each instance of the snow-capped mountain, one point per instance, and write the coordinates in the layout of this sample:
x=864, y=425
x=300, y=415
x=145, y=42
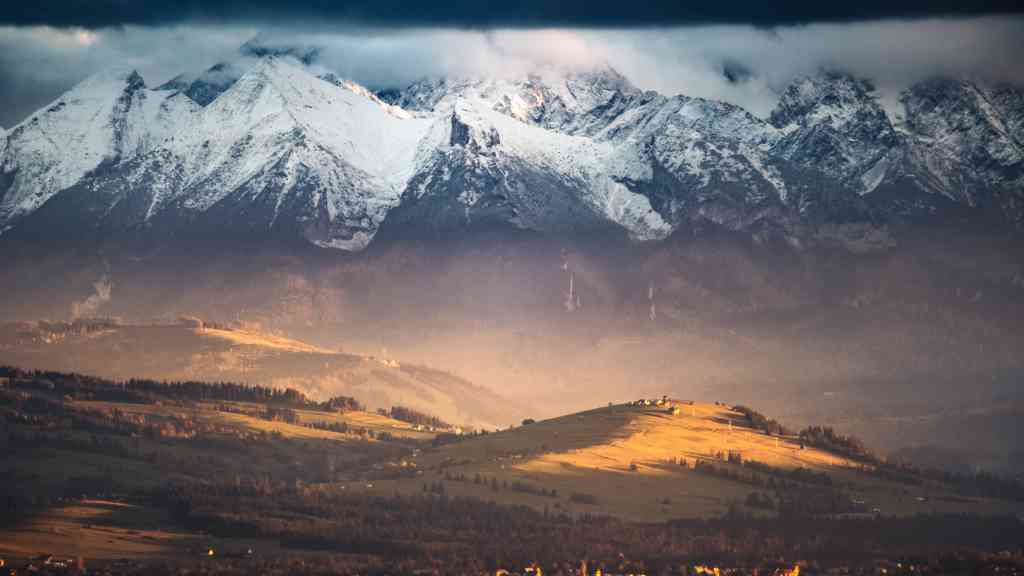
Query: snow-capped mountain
x=281, y=150
x=490, y=168
x=688, y=155
x=835, y=124
x=273, y=145
x=950, y=143
x=965, y=143
x=107, y=119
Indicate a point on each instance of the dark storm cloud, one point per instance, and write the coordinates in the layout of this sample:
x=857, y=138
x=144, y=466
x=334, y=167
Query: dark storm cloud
x=483, y=14
x=741, y=64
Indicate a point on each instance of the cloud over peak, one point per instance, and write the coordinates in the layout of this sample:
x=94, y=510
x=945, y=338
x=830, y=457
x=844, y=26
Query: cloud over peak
x=741, y=64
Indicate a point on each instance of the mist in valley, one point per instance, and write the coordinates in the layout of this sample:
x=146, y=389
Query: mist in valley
x=914, y=347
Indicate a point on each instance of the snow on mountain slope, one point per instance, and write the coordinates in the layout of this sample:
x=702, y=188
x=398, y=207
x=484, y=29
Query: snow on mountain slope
x=1009, y=103
x=570, y=102
x=966, y=140
x=707, y=149
x=491, y=167
x=282, y=105
x=835, y=123
x=108, y=118
x=280, y=150
x=153, y=117
x=285, y=148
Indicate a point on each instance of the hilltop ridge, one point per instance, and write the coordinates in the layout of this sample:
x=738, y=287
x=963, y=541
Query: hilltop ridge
x=665, y=458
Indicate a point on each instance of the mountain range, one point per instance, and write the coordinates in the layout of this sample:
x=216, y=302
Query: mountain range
x=273, y=146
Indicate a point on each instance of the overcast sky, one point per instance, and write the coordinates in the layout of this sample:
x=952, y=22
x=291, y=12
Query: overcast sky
x=724, y=55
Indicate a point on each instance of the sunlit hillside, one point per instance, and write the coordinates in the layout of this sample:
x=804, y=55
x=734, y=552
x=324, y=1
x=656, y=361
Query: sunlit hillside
x=679, y=459
x=188, y=349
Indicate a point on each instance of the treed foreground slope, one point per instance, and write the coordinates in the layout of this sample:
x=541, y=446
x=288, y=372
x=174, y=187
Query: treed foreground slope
x=165, y=472
x=67, y=434
x=190, y=350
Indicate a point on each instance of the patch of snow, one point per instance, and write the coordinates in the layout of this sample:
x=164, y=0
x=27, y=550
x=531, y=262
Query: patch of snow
x=874, y=176
x=358, y=242
x=634, y=212
x=893, y=108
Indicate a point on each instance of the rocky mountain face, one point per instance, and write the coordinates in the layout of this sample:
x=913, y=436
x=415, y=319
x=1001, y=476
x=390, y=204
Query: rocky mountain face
x=952, y=142
x=966, y=144
x=834, y=124
x=269, y=145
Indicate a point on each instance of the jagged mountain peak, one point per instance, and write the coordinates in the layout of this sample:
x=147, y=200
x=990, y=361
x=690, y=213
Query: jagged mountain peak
x=107, y=118
x=548, y=96
x=967, y=101
x=831, y=97
x=278, y=96
x=100, y=89
x=835, y=123
x=281, y=151
x=966, y=140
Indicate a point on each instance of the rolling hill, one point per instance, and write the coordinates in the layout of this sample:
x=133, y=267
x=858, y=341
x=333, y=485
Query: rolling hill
x=190, y=350
x=646, y=463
